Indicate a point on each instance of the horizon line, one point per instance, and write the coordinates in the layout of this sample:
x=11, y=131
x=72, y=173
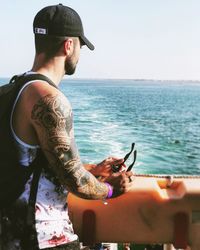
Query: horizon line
x=132, y=79
x=120, y=79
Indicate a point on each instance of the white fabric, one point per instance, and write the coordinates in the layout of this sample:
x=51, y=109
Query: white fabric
x=26, y=152
x=52, y=221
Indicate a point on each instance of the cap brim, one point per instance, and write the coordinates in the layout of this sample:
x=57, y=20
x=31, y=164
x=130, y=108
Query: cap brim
x=86, y=42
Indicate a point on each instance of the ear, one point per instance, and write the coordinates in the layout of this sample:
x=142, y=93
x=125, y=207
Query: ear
x=68, y=47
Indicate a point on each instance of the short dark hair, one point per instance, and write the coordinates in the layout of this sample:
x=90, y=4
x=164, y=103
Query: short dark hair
x=49, y=45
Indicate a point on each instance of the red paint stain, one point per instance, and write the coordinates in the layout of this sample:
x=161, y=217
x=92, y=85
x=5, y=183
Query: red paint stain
x=57, y=239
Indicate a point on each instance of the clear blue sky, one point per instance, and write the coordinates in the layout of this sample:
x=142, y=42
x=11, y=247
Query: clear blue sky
x=151, y=39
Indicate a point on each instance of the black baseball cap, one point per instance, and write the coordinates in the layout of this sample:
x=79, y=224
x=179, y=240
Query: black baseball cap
x=60, y=20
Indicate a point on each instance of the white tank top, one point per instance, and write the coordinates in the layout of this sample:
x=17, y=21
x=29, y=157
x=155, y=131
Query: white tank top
x=52, y=221
x=26, y=152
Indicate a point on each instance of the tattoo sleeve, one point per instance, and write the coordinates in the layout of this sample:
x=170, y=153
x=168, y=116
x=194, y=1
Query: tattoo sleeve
x=53, y=121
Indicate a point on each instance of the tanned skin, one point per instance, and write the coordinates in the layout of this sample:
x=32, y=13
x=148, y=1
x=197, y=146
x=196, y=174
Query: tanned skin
x=53, y=117
x=43, y=116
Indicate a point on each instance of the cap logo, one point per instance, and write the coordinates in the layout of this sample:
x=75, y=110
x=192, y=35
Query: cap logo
x=40, y=31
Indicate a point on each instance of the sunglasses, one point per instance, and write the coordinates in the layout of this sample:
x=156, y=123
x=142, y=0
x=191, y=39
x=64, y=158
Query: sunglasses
x=117, y=168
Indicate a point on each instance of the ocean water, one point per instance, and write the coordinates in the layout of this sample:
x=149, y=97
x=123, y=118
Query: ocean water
x=162, y=118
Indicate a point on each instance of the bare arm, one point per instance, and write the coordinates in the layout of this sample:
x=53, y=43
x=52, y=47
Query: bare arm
x=52, y=119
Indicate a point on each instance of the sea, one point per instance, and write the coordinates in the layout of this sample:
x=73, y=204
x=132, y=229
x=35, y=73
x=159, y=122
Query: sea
x=162, y=118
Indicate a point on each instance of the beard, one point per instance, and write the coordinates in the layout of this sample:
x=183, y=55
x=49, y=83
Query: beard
x=70, y=67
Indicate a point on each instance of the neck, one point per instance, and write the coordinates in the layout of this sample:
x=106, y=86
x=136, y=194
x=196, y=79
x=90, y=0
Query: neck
x=53, y=68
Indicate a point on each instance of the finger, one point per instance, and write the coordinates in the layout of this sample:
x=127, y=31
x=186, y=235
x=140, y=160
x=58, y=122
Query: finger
x=122, y=167
x=105, y=174
x=129, y=173
x=130, y=178
x=129, y=184
x=116, y=165
x=108, y=159
x=104, y=162
x=116, y=174
x=113, y=158
x=127, y=178
x=118, y=161
x=126, y=187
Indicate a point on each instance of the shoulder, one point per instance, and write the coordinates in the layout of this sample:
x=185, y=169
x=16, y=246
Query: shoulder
x=41, y=91
x=41, y=99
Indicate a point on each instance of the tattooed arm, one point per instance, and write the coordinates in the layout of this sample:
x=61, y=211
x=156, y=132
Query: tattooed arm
x=52, y=119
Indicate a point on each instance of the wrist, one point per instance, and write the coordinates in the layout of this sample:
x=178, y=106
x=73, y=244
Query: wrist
x=110, y=190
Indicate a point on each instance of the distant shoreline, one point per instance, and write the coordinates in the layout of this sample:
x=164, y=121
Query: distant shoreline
x=133, y=80
x=121, y=79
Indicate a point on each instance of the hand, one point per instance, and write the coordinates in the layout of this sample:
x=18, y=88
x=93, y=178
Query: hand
x=104, y=168
x=121, y=182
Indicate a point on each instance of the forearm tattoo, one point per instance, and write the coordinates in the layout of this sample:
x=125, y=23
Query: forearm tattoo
x=52, y=116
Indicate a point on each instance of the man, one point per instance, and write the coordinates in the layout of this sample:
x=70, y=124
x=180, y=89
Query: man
x=42, y=118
